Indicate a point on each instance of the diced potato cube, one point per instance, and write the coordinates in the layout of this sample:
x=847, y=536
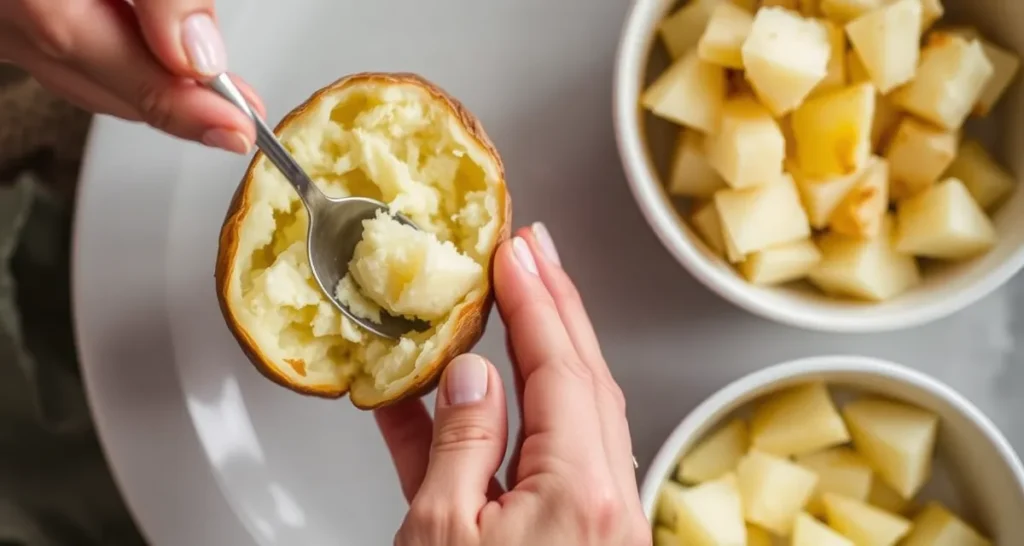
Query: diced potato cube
x=835, y=78
x=937, y=526
x=781, y=264
x=918, y=154
x=844, y=11
x=944, y=222
x=860, y=214
x=988, y=183
x=931, y=11
x=692, y=175
x=886, y=40
x=868, y=269
x=1005, y=67
x=808, y=531
x=785, y=57
x=797, y=421
x=663, y=536
x=886, y=497
x=731, y=252
x=862, y=523
x=749, y=148
x=708, y=224
x=716, y=455
x=712, y=514
x=668, y=499
x=950, y=79
x=840, y=470
x=763, y=216
x=896, y=438
x=822, y=196
x=757, y=536
x=722, y=42
x=887, y=119
x=774, y=490
x=681, y=30
x=690, y=93
x=833, y=131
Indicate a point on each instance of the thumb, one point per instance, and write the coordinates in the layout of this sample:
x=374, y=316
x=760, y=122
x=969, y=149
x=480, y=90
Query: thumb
x=470, y=434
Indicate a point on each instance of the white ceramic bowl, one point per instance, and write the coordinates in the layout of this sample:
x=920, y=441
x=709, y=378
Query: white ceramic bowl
x=644, y=142
x=976, y=472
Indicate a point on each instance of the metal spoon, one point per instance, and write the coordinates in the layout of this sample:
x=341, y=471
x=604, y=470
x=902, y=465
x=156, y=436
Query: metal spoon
x=335, y=225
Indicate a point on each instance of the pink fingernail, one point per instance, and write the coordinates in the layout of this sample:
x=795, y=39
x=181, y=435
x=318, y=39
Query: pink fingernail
x=466, y=380
x=523, y=255
x=226, y=139
x=547, y=244
x=203, y=44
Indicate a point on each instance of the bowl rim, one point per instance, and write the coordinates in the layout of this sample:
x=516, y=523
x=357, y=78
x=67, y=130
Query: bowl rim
x=635, y=43
x=686, y=430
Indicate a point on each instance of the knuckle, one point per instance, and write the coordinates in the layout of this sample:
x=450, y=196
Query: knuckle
x=575, y=367
x=614, y=393
x=427, y=516
x=463, y=433
x=155, y=105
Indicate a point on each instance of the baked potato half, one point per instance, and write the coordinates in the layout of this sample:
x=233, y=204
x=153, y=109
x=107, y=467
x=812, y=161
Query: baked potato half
x=394, y=137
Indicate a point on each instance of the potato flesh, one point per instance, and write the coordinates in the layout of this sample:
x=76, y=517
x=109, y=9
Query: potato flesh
x=410, y=272
x=774, y=491
x=937, y=526
x=692, y=175
x=987, y=181
x=781, y=264
x=749, y=147
x=681, y=30
x=393, y=143
x=918, y=155
x=866, y=525
x=866, y=269
x=841, y=471
x=716, y=455
x=764, y=216
x=723, y=39
x=833, y=131
x=711, y=514
x=951, y=77
x=896, y=438
x=785, y=57
x=886, y=39
x=797, y=421
x=944, y=222
x=664, y=536
x=808, y=531
x=690, y=93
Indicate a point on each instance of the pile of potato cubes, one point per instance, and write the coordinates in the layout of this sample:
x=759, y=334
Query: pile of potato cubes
x=821, y=141
x=804, y=473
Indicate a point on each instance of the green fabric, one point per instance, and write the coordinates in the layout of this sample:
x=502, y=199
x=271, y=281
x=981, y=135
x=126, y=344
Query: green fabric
x=55, y=486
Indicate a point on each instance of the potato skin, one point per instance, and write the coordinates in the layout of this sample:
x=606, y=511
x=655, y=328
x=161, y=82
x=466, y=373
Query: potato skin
x=470, y=323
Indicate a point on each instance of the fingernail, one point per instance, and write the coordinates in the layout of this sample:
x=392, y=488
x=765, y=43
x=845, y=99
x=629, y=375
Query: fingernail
x=226, y=139
x=466, y=380
x=547, y=244
x=203, y=44
x=523, y=254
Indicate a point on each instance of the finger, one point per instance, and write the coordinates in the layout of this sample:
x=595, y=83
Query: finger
x=511, y=471
x=611, y=405
x=184, y=36
x=408, y=430
x=557, y=393
x=63, y=81
x=470, y=436
x=109, y=49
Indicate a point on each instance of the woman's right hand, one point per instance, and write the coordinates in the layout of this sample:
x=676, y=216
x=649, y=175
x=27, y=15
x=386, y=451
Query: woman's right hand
x=572, y=478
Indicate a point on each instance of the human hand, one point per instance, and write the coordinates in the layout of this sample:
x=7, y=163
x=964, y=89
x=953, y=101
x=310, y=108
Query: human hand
x=139, y=63
x=571, y=479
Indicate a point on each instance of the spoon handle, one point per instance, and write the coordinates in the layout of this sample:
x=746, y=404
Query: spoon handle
x=268, y=143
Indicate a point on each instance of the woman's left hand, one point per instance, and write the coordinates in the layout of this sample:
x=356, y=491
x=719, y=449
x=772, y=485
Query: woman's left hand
x=139, y=62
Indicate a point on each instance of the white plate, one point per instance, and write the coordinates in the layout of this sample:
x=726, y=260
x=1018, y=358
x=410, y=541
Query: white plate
x=207, y=452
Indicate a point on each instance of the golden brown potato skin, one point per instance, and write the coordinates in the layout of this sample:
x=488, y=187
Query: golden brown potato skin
x=471, y=322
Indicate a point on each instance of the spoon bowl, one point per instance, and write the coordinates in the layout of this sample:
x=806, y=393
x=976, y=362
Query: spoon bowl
x=335, y=225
